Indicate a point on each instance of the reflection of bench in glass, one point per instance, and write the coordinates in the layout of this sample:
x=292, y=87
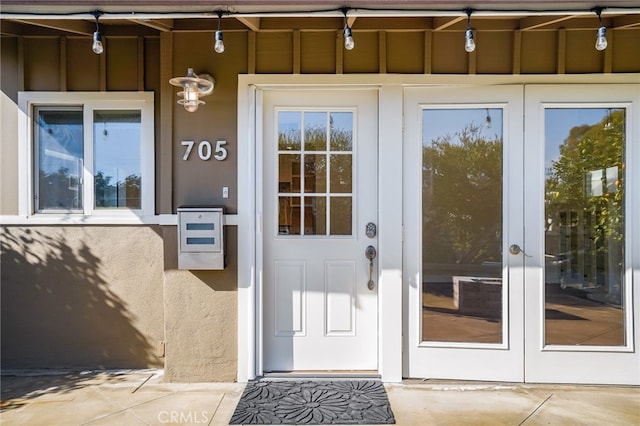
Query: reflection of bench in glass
x=478, y=296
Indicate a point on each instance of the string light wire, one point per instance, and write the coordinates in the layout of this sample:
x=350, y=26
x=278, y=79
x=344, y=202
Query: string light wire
x=601, y=42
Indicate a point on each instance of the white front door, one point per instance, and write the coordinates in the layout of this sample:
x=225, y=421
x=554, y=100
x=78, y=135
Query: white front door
x=528, y=245
x=319, y=186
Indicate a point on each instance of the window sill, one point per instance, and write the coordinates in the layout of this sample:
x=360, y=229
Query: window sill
x=74, y=219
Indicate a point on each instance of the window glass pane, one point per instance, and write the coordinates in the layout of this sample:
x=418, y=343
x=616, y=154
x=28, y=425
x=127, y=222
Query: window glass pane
x=340, y=173
x=289, y=130
x=341, y=131
x=59, y=155
x=289, y=215
x=315, y=173
x=584, y=226
x=289, y=173
x=315, y=218
x=117, y=159
x=341, y=216
x=315, y=131
x=462, y=289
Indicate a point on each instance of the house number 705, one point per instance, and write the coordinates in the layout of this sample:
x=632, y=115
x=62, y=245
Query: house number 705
x=205, y=151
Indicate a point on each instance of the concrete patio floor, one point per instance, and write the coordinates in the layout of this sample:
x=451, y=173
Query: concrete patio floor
x=141, y=397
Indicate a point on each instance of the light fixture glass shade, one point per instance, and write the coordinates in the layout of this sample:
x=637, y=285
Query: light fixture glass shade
x=219, y=44
x=190, y=105
x=469, y=43
x=349, y=44
x=601, y=39
x=194, y=87
x=97, y=46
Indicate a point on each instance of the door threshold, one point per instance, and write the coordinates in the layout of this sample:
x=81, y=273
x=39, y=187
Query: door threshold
x=320, y=375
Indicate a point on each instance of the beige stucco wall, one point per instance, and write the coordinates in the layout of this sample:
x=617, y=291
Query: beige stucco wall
x=82, y=297
x=200, y=317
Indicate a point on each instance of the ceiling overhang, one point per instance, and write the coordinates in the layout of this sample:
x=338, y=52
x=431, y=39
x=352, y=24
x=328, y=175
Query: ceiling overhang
x=148, y=17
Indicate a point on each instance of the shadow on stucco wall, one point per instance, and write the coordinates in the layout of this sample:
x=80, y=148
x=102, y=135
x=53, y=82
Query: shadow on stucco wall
x=58, y=309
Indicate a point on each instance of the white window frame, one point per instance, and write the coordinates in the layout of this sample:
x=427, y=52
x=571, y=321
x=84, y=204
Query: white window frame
x=90, y=102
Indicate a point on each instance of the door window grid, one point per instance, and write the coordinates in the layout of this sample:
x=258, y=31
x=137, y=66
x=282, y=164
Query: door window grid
x=315, y=172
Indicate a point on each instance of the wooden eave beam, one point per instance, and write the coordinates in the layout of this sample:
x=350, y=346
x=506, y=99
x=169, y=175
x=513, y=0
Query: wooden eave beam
x=537, y=22
x=70, y=26
x=11, y=28
x=440, y=24
x=627, y=21
x=252, y=23
x=163, y=25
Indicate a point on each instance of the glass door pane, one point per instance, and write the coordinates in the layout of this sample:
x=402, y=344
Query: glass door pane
x=462, y=193
x=584, y=226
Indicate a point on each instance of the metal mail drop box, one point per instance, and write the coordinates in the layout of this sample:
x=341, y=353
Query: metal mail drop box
x=200, y=237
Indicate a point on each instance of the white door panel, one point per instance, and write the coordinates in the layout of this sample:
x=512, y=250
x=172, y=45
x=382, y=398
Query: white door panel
x=319, y=192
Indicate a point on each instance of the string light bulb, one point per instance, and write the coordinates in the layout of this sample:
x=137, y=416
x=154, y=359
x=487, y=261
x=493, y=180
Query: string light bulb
x=469, y=43
x=601, y=35
x=219, y=43
x=97, y=45
x=349, y=44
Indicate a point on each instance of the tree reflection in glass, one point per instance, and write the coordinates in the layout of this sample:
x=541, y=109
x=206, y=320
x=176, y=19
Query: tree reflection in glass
x=584, y=226
x=462, y=225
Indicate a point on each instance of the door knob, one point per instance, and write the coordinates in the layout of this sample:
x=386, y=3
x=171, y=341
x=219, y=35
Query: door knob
x=515, y=250
x=370, y=253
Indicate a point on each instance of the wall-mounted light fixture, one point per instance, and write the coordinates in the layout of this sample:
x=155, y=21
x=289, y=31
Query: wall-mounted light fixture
x=601, y=36
x=469, y=43
x=349, y=44
x=219, y=44
x=97, y=46
x=194, y=87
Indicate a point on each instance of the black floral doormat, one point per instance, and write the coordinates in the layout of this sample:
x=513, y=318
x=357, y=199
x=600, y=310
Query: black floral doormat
x=318, y=402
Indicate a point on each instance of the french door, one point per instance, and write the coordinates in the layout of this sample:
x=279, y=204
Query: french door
x=526, y=258
x=463, y=174
x=582, y=233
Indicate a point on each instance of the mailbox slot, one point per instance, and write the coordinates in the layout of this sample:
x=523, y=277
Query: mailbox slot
x=200, y=238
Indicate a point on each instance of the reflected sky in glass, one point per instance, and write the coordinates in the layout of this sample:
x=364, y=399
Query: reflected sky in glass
x=560, y=121
x=291, y=120
x=439, y=123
